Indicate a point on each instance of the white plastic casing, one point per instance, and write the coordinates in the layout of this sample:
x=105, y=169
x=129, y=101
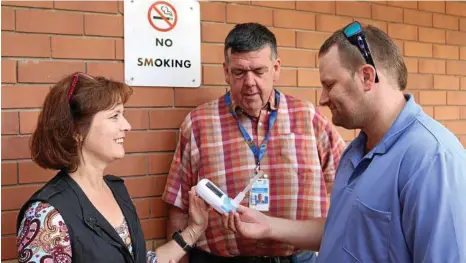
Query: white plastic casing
x=215, y=197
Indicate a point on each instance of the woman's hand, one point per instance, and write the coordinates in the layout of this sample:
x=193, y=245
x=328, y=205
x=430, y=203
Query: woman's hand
x=198, y=211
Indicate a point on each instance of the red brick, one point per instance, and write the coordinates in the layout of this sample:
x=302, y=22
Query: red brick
x=415, y=49
x=446, y=52
x=211, y=11
x=285, y=37
x=463, y=24
x=146, y=186
x=446, y=112
x=25, y=45
x=90, y=6
x=10, y=123
x=242, y=14
x=150, y=141
x=387, y=13
x=316, y=6
x=8, y=71
x=309, y=78
x=433, y=97
x=151, y=97
x=446, y=82
x=130, y=165
x=167, y=118
x=463, y=83
x=40, y=4
x=111, y=70
x=456, y=68
x=84, y=48
x=420, y=18
x=213, y=75
x=432, y=66
x=329, y=23
x=119, y=49
x=412, y=65
x=293, y=19
x=445, y=21
x=420, y=81
x=312, y=40
x=9, y=222
x=432, y=6
x=355, y=9
x=121, y=7
x=46, y=71
x=8, y=245
x=217, y=33
x=404, y=4
x=103, y=25
x=297, y=58
x=457, y=127
x=276, y=4
x=463, y=53
x=463, y=113
x=13, y=197
x=28, y=121
x=160, y=163
x=463, y=140
x=30, y=172
x=456, y=98
x=288, y=78
x=9, y=173
x=8, y=18
x=195, y=97
x=142, y=207
x=429, y=110
x=347, y=135
x=432, y=35
x=307, y=94
x=158, y=208
x=154, y=228
x=379, y=24
x=43, y=21
x=399, y=44
x=212, y=53
x=402, y=31
x=31, y=96
x=456, y=8
x=456, y=38
x=139, y=119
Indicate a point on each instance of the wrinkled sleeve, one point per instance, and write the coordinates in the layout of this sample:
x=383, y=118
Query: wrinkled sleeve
x=182, y=172
x=43, y=236
x=434, y=210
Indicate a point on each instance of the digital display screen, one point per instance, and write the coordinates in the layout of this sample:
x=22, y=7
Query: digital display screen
x=214, y=189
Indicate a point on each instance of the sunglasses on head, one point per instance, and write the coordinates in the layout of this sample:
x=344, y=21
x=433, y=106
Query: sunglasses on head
x=355, y=35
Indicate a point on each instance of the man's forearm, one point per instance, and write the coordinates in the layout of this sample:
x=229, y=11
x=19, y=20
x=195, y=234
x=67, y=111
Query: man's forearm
x=306, y=234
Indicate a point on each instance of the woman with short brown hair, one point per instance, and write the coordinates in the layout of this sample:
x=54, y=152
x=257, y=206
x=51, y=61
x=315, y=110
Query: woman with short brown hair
x=82, y=215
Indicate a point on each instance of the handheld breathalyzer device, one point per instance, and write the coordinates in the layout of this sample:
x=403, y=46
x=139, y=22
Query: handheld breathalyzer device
x=218, y=199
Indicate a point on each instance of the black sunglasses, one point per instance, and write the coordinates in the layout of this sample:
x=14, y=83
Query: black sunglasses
x=356, y=36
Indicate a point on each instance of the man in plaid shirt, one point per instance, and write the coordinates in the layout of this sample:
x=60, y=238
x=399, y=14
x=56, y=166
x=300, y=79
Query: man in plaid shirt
x=252, y=127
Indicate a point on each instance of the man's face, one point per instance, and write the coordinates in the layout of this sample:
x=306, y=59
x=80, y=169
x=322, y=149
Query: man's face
x=342, y=92
x=251, y=76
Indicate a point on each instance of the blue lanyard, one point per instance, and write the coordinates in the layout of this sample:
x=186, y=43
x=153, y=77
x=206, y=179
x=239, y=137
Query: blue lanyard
x=258, y=152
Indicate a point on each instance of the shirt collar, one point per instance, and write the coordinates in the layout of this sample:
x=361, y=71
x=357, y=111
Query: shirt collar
x=271, y=105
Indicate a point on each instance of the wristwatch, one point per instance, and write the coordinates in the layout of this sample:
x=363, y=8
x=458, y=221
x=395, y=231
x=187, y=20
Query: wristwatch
x=180, y=241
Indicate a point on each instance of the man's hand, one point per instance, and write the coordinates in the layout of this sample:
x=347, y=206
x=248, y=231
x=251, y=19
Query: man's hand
x=248, y=223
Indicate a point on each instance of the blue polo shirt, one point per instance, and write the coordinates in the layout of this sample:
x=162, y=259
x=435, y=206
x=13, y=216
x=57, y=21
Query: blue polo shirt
x=404, y=201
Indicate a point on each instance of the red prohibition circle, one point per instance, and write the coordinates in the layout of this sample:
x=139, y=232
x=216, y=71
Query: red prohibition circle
x=154, y=7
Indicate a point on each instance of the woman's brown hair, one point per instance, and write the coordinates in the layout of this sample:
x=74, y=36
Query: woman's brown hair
x=67, y=114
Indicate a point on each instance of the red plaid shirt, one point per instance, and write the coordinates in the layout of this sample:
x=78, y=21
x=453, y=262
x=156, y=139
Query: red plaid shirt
x=301, y=159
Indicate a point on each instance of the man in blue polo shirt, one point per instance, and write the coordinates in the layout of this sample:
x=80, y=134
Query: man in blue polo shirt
x=400, y=189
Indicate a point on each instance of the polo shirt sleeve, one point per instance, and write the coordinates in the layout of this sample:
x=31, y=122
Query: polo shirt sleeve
x=181, y=175
x=433, y=205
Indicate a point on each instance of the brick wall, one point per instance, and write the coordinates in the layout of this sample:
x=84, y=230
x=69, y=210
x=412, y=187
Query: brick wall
x=42, y=41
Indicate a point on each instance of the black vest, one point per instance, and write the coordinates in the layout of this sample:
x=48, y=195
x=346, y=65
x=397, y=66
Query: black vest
x=93, y=239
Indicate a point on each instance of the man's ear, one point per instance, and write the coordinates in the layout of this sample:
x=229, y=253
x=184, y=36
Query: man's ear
x=276, y=70
x=367, y=74
x=226, y=73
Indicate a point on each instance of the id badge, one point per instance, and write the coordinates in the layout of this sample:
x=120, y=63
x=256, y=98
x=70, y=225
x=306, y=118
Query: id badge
x=259, y=197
